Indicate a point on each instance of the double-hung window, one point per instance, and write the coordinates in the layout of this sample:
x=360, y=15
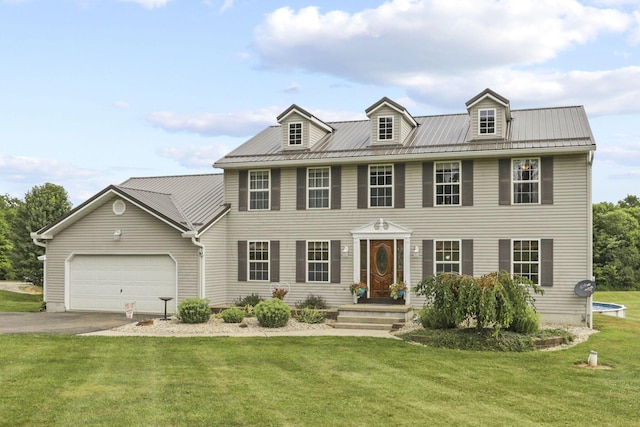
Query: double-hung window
x=318, y=261
x=385, y=128
x=447, y=254
x=258, y=260
x=526, y=259
x=526, y=180
x=319, y=184
x=259, y=190
x=381, y=185
x=295, y=133
x=487, y=122
x=447, y=183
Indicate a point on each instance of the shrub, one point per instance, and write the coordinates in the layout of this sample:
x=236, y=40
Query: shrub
x=310, y=315
x=272, y=313
x=249, y=310
x=232, y=315
x=194, y=310
x=252, y=300
x=312, y=301
x=526, y=322
x=432, y=319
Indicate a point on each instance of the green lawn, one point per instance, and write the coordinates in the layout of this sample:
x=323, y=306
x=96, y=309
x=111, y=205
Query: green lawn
x=13, y=301
x=317, y=381
x=631, y=300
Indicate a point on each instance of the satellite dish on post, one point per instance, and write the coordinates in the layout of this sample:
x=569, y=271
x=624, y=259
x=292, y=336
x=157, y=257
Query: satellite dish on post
x=585, y=288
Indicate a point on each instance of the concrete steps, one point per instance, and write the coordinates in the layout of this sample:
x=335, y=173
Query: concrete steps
x=373, y=316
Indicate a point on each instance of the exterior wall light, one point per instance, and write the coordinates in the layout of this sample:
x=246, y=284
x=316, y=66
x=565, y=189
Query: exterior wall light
x=117, y=234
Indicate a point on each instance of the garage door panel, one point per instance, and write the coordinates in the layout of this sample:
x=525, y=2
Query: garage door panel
x=108, y=282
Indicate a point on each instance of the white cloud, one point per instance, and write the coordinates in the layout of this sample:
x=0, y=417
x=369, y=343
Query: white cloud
x=19, y=168
x=292, y=88
x=148, y=4
x=121, y=104
x=196, y=157
x=226, y=5
x=619, y=155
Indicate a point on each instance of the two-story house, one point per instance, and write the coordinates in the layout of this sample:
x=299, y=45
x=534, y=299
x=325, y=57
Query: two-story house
x=319, y=205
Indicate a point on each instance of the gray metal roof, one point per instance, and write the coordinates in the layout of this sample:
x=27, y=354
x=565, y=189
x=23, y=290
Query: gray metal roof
x=563, y=128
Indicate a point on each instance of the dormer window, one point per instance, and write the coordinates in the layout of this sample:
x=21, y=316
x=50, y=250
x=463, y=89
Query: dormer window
x=487, y=121
x=385, y=128
x=295, y=133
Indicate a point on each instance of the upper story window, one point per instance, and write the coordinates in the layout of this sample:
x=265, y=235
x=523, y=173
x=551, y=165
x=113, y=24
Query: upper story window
x=526, y=180
x=447, y=183
x=526, y=259
x=319, y=185
x=447, y=256
x=258, y=261
x=381, y=185
x=487, y=121
x=259, y=189
x=385, y=128
x=318, y=261
x=295, y=133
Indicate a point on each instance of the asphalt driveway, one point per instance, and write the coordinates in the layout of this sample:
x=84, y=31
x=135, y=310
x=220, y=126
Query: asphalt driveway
x=60, y=323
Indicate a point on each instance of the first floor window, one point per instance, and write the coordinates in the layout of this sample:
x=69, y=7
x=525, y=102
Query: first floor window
x=319, y=185
x=447, y=256
x=526, y=259
x=381, y=185
x=259, y=190
x=318, y=261
x=526, y=180
x=259, y=261
x=447, y=183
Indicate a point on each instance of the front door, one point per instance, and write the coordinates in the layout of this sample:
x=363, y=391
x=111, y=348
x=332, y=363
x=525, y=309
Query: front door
x=381, y=262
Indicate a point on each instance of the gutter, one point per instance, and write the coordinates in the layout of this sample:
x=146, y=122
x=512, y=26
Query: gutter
x=194, y=236
x=36, y=239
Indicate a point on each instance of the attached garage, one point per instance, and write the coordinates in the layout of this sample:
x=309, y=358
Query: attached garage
x=108, y=282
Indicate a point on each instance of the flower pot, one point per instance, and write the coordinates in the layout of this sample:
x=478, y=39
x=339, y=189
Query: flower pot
x=400, y=294
x=361, y=292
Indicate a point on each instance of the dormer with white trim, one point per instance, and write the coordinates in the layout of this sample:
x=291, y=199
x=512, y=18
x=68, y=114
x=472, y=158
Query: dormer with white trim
x=391, y=123
x=300, y=129
x=489, y=116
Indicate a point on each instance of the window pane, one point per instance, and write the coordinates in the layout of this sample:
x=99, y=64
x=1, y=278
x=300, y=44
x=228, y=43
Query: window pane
x=381, y=185
x=318, y=261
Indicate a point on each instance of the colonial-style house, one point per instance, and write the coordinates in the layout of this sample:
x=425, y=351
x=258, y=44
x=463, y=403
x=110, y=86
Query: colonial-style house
x=316, y=206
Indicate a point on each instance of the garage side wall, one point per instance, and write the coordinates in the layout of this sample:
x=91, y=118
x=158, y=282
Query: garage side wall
x=141, y=234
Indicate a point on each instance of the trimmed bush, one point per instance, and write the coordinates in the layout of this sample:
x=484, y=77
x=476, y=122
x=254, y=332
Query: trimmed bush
x=312, y=301
x=232, y=315
x=272, y=313
x=432, y=319
x=526, y=322
x=194, y=310
x=310, y=315
x=252, y=300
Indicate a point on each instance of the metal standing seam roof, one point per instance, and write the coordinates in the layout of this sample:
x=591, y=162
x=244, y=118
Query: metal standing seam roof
x=542, y=128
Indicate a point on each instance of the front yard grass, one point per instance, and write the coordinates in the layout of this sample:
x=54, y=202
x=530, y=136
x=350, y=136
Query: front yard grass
x=17, y=302
x=314, y=381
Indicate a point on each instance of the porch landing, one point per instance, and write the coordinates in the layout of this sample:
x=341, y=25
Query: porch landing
x=373, y=316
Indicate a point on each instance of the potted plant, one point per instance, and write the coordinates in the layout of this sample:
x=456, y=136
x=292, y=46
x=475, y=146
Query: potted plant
x=358, y=290
x=397, y=290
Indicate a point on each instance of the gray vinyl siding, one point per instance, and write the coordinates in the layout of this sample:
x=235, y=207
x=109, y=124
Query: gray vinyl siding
x=486, y=222
x=141, y=234
x=501, y=121
x=216, y=262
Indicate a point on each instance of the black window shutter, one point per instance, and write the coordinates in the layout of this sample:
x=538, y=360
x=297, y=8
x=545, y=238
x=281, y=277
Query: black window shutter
x=427, y=184
x=274, y=260
x=546, y=261
x=467, y=183
x=243, y=192
x=242, y=260
x=275, y=189
x=504, y=255
x=467, y=257
x=301, y=189
x=427, y=258
x=335, y=261
x=504, y=185
x=363, y=186
x=547, y=180
x=336, y=187
x=301, y=261
x=398, y=185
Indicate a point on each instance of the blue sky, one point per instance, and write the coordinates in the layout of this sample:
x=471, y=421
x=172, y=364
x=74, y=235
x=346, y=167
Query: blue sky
x=93, y=92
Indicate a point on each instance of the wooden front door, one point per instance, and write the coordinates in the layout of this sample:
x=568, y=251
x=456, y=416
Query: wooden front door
x=381, y=264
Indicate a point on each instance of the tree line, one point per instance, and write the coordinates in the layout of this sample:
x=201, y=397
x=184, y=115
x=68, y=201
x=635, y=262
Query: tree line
x=616, y=237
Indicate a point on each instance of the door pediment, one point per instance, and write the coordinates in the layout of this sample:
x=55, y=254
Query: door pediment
x=381, y=227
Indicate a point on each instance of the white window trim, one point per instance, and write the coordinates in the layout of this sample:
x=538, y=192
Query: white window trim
x=393, y=176
x=328, y=242
x=309, y=188
x=301, y=134
x=392, y=128
x=435, y=184
x=268, y=262
x=538, y=181
x=435, y=261
x=268, y=190
x=495, y=121
x=539, y=262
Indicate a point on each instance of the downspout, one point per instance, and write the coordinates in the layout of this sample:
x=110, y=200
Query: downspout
x=193, y=235
x=590, y=159
x=36, y=241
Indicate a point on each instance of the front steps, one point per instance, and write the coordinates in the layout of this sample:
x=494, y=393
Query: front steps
x=373, y=316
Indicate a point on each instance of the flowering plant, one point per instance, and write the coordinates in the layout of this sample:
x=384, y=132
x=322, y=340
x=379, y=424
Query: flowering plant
x=357, y=288
x=279, y=293
x=397, y=290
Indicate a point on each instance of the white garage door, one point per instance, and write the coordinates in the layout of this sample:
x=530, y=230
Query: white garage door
x=108, y=282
